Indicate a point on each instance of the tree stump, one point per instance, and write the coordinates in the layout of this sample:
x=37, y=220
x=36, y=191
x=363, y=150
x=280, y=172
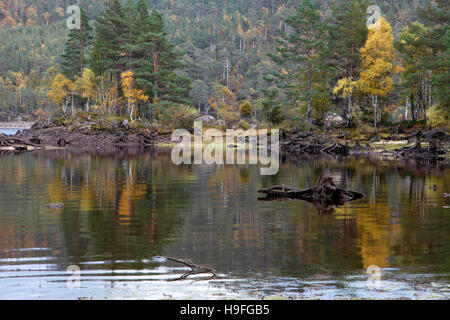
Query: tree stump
x=432, y=153
x=324, y=195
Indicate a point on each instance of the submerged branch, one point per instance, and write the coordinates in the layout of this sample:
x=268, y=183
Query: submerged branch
x=195, y=269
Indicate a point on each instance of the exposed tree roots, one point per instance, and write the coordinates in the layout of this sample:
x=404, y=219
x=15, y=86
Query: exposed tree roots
x=432, y=153
x=307, y=143
x=324, y=195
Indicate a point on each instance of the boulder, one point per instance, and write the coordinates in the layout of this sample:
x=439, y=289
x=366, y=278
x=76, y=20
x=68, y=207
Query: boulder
x=333, y=120
x=207, y=120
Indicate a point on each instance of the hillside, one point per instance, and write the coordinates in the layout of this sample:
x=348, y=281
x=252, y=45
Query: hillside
x=226, y=42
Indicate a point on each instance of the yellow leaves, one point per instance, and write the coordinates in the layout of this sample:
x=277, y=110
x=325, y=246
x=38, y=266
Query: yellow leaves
x=46, y=16
x=240, y=31
x=398, y=69
x=213, y=103
x=222, y=92
x=61, y=89
x=60, y=11
x=346, y=86
x=31, y=13
x=378, y=57
x=174, y=18
x=131, y=93
x=87, y=84
x=438, y=116
x=227, y=18
x=41, y=114
x=283, y=71
x=281, y=8
x=9, y=21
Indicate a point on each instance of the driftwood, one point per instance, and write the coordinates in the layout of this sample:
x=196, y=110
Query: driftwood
x=324, y=195
x=6, y=141
x=195, y=269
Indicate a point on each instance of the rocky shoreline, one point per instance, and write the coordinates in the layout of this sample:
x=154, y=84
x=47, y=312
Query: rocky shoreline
x=52, y=136
x=428, y=146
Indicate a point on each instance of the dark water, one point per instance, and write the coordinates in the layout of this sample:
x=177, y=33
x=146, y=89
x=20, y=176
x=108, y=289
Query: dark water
x=123, y=210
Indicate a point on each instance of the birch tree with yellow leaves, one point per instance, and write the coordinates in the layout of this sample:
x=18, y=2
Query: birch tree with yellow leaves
x=86, y=86
x=62, y=91
x=131, y=92
x=377, y=67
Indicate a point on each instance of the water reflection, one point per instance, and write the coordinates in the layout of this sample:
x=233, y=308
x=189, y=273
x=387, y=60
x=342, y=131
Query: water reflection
x=124, y=208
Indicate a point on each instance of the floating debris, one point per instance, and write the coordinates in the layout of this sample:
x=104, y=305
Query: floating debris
x=55, y=205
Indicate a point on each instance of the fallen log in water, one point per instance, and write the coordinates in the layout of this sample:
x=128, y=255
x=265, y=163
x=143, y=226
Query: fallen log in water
x=324, y=195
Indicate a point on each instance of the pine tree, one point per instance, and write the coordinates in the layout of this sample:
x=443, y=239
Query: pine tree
x=347, y=34
x=106, y=54
x=415, y=77
x=436, y=18
x=271, y=106
x=131, y=26
x=301, y=50
x=75, y=55
x=157, y=61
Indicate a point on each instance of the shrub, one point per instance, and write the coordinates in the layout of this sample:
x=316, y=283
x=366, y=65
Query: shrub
x=228, y=115
x=438, y=116
x=63, y=121
x=103, y=127
x=246, y=109
x=175, y=116
x=243, y=125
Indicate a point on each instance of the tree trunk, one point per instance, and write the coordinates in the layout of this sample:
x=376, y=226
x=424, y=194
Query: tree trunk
x=375, y=112
x=406, y=108
x=309, y=111
x=117, y=91
x=413, y=111
x=349, y=110
x=73, y=111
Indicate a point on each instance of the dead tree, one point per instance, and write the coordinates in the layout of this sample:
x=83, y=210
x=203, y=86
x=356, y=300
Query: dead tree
x=324, y=195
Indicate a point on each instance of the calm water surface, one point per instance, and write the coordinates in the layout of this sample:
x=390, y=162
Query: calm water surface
x=124, y=210
x=8, y=131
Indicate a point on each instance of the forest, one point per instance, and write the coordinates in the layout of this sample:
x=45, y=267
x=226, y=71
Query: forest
x=279, y=63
